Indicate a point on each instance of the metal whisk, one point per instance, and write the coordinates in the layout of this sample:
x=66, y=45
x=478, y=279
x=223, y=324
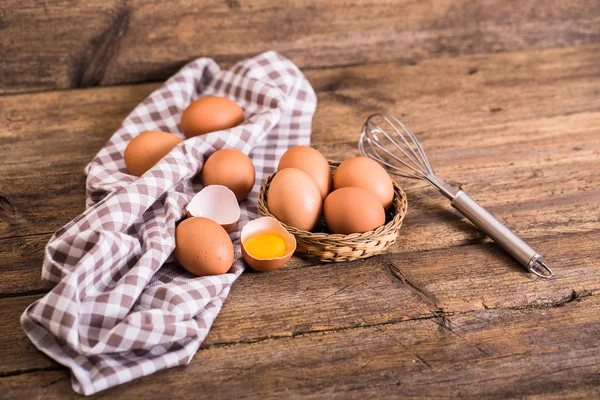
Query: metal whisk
x=386, y=140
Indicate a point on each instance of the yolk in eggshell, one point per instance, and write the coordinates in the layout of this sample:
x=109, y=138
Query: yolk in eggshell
x=265, y=245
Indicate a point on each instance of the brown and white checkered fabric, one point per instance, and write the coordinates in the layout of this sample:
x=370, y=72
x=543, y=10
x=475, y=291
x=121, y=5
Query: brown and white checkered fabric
x=122, y=307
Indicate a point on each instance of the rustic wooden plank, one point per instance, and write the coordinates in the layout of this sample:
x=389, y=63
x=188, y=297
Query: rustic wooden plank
x=546, y=207
x=21, y=261
x=45, y=142
x=58, y=132
x=535, y=351
x=524, y=87
x=18, y=353
x=444, y=99
x=461, y=279
x=534, y=164
x=59, y=45
x=296, y=301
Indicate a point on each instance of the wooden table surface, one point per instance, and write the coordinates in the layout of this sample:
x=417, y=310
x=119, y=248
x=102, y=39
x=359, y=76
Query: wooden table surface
x=506, y=98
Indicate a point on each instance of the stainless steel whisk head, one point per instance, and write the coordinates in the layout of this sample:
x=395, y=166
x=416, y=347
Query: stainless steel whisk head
x=388, y=141
x=383, y=136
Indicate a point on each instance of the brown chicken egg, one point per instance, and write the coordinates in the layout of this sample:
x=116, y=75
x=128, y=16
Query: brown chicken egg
x=365, y=173
x=203, y=247
x=148, y=148
x=266, y=245
x=312, y=162
x=210, y=114
x=353, y=210
x=295, y=199
x=230, y=168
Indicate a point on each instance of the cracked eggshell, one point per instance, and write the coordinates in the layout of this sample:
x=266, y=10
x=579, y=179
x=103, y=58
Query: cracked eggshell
x=267, y=224
x=215, y=202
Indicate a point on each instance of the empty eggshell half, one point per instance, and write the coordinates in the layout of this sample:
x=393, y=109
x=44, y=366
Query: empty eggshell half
x=267, y=225
x=215, y=202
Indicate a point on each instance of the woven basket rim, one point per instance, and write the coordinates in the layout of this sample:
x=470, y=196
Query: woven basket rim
x=400, y=204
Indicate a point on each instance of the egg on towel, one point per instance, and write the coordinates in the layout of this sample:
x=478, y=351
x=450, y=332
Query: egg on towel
x=148, y=148
x=203, y=247
x=210, y=114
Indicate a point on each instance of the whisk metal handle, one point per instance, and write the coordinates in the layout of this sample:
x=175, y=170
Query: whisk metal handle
x=515, y=246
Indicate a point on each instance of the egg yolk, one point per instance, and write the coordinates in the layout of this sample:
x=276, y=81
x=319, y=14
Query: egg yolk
x=265, y=246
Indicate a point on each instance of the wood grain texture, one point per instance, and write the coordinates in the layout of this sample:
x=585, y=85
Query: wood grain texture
x=504, y=97
x=324, y=298
x=534, y=163
x=19, y=355
x=535, y=351
x=48, y=45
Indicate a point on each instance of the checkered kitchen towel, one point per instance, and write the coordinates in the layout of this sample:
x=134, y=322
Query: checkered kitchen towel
x=122, y=307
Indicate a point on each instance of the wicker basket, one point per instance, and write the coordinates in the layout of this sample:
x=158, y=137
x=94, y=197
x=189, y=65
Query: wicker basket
x=323, y=246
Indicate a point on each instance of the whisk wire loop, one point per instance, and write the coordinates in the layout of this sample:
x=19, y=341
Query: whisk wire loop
x=382, y=132
x=374, y=149
x=405, y=132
